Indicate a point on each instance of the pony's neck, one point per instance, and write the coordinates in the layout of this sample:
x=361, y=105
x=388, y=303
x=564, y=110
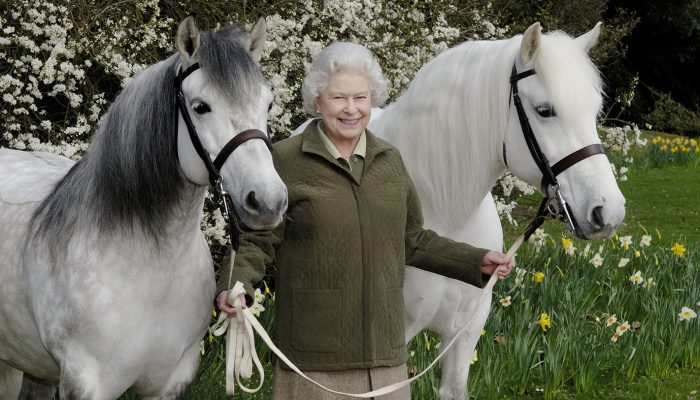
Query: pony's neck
x=449, y=127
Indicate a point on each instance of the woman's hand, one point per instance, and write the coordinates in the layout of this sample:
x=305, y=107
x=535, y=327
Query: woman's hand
x=495, y=259
x=222, y=303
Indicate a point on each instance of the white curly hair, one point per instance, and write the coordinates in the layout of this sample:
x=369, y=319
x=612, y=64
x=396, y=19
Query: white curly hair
x=343, y=56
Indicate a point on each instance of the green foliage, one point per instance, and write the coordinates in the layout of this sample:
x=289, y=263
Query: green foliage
x=671, y=116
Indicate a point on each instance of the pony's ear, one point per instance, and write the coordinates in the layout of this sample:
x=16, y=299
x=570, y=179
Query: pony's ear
x=530, y=43
x=187, y=40
x=590, y=38
x=255, y=39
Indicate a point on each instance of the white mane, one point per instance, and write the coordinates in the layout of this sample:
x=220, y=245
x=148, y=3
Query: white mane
x=450, y=123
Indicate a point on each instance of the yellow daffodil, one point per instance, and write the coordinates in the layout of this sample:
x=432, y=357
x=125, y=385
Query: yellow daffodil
x=586, y=249
x=637, y=278
x=267, y=288
x=686, y=314
x=625, y=241
x=565, y=242
x=637, y=253
x=597, y=260
x=538, y=277
x=622, y=328
x=483, y=332
x=611, y=320
x=544, y=322
x=475, y=358
x=623, y=262
x=678, y=249
x=213, y=313
x=201, y=347
x=649, y=283
x=258, y=296
x=645, y=241
x=539, y=234
x=256, y=309
x=505, y=302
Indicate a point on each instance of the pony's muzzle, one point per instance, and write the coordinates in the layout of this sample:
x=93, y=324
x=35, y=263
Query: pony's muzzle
x=602, y=221
x=263, y=212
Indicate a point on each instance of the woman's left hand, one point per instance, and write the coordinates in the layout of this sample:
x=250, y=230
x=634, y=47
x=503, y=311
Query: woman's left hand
x=495, y=259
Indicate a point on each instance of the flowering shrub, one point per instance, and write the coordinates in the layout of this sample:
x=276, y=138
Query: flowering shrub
x=58, y=73
x=64, y=61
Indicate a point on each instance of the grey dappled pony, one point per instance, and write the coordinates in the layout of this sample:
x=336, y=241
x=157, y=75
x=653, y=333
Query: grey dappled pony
x=107, y=279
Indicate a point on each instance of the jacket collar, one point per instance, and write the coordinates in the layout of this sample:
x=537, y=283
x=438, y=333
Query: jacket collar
x=312, y=144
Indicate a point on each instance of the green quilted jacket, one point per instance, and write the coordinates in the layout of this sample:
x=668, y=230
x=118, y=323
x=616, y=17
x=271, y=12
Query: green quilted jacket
x=340, y=254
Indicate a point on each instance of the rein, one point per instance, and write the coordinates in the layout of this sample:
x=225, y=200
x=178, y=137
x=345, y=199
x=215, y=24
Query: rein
x=556, y=206
x=222, y=198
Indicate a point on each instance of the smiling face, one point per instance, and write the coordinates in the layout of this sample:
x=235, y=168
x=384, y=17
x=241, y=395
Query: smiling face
x=345, y=107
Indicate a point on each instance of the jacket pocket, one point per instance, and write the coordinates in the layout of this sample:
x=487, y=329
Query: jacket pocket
x=395, y=318
x=316, y=323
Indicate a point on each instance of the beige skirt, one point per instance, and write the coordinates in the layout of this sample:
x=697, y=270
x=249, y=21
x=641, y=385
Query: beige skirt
x=287, y=385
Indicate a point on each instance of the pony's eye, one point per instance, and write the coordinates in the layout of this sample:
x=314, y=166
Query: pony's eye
x=201, y=108
x=545, y=111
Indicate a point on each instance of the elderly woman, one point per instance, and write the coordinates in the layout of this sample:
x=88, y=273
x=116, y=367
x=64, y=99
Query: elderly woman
x=353, y=222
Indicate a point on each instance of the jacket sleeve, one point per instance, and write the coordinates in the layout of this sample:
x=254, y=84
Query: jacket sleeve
x=256, y=252
x=431, y=252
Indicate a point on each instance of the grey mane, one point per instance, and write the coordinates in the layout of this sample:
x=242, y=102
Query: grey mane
x=130, y=177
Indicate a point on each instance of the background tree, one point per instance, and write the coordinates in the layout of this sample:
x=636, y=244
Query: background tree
x=664, y=52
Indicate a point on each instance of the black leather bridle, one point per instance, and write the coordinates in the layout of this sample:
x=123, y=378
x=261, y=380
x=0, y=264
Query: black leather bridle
x=549, y=172
x=222, y=198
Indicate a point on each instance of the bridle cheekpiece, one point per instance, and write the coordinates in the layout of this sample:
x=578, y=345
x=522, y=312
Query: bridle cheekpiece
x=222, y=198
x=549, y=172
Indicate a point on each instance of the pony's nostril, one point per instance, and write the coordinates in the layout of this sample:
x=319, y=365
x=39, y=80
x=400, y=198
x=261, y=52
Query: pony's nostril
x=251, y=202
x=597, y=217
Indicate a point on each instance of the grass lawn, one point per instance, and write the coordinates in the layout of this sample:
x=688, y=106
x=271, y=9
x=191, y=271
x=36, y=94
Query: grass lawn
x=681, y=385
x=664, y=199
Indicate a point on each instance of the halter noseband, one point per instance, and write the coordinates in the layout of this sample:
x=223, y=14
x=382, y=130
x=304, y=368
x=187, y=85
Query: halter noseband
x=549, y=172
x=214, y=168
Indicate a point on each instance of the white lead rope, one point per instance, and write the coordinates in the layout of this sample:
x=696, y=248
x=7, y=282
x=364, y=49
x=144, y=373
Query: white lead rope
x=241, y=354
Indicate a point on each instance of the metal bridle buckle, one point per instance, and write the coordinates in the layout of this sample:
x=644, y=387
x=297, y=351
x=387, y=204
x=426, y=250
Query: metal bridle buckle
x=221, y=197
x=562, y=212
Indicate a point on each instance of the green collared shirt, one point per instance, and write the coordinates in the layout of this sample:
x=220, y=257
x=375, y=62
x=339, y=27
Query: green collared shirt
x=356, y=163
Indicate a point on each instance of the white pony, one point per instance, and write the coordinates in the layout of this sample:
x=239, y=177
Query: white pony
x=107, y=279
x=455, y=124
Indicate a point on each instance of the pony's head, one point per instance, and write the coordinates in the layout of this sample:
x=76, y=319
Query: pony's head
x=224, y=97
x=562, y=100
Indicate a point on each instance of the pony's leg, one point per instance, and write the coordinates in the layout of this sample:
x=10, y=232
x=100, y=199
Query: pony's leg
x=455, y=371
x=78, y=383
x=84, y=378
x=180, y=378
x=33, y=389
x=10, y=382
x=483, y=229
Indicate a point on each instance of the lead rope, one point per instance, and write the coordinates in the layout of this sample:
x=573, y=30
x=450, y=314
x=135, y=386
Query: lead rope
x=240, y=343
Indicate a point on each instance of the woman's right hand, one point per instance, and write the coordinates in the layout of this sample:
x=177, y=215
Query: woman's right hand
x=222, y=302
